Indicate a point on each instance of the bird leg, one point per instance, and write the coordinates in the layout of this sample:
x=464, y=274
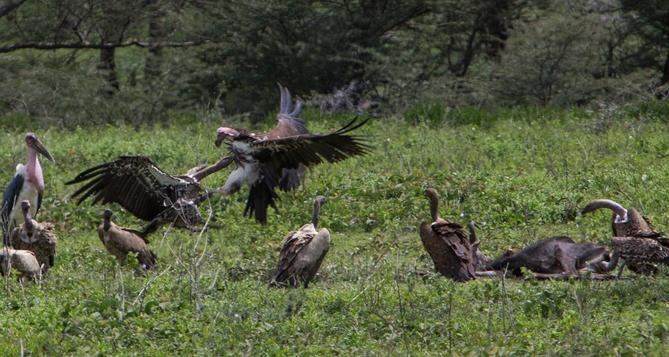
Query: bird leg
x=218, y=166
x=233, y=183
x=620, y=270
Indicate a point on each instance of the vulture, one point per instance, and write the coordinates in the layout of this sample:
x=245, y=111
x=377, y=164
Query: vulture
x=629, y=223
x=448, y=245
x=302, y=252
x=27, y=184
x=38, y=238
x=120, y=241
x=22, y=260
x=636, y=252
x=143, y=189
x=263, y=160
x=556, y=255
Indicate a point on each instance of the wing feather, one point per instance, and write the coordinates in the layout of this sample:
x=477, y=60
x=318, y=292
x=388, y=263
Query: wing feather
x=310, y=149
x=293, y=244
x=135, y=183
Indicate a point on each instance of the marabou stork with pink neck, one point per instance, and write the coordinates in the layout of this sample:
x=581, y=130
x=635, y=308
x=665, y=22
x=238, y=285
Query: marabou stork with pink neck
x=27, y=184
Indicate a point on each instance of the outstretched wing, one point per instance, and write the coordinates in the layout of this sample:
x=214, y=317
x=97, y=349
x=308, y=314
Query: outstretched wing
x=310, y=149
x=135, y=183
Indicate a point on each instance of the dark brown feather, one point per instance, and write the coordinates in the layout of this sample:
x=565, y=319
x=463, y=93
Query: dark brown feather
x=135, y=183
x=293, y=244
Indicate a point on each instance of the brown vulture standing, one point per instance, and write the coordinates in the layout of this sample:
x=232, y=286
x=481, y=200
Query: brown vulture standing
x=263, y=161
x=142, y=188
x=302, y=252
x=22, y=260
x=120, y=241
x=35, y=237
x=635, y=241
x=447, y=244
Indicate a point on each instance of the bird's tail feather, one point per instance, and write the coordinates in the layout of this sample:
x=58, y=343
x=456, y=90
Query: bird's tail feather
x=147, y=259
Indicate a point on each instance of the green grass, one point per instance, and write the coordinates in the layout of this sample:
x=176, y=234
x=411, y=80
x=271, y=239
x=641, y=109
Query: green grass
x=522, y=174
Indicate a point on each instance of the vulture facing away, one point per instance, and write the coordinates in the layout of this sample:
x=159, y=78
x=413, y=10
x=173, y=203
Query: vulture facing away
x=302, y=252
x=120, y=241
x=36, y=237
x=142, y=188
x=448, y=245
x=263, y=161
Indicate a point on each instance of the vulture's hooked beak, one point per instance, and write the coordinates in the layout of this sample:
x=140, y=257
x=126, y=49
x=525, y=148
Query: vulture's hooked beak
x=40, y=148
x=223, y=133
x=219, y=141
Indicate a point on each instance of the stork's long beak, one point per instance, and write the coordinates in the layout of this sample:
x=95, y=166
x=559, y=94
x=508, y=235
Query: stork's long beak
x=40, y=148
x=219, y=140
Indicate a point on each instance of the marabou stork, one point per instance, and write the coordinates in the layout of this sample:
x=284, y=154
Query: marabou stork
x=302, y=252
x=262, y=161
x=27, y=184
x=120, y=241
x=142, y=188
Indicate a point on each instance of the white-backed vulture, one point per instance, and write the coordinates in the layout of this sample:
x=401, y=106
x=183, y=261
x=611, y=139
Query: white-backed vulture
x=37, y=237
x=302, y=252
x=120, y=241
x=448, y=245
x=628, y=224
x=24, y=261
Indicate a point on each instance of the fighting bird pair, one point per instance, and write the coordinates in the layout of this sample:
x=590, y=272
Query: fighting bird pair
x=263, y=162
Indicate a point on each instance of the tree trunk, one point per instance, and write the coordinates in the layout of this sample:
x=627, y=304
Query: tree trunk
x=107, y=68
x=154, y=57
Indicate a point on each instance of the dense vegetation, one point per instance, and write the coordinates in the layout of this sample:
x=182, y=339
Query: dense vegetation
x=376, y=291
x=95, y=61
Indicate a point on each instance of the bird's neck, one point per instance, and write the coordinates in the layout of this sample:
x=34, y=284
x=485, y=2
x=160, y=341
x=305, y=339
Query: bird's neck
x=106, y=225
x=315, y=217
x=34, y=170
x=28, y=222
x=434, y=207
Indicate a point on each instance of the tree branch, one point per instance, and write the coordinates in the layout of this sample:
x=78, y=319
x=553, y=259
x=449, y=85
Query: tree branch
x=7, y=7
x=89, y=45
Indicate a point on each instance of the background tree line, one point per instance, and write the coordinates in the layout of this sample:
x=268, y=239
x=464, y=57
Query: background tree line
x=75, y=62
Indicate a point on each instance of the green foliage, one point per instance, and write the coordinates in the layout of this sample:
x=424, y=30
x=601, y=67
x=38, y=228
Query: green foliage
x=522, y=177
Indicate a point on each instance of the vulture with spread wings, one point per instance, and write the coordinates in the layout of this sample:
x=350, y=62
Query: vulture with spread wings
x=262, y=161
x=142, y=188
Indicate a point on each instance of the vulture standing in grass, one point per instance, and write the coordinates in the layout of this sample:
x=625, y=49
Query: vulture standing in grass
x=27, y=184
x=447, y=244
x=263, y=160
x=36, y=237
x=302, y=252
x=22, y=260
x=120, y=241
x=635, y=241
x=142, y=188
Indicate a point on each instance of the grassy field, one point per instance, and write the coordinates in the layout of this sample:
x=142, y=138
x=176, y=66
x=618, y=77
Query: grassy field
x=522, y=174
